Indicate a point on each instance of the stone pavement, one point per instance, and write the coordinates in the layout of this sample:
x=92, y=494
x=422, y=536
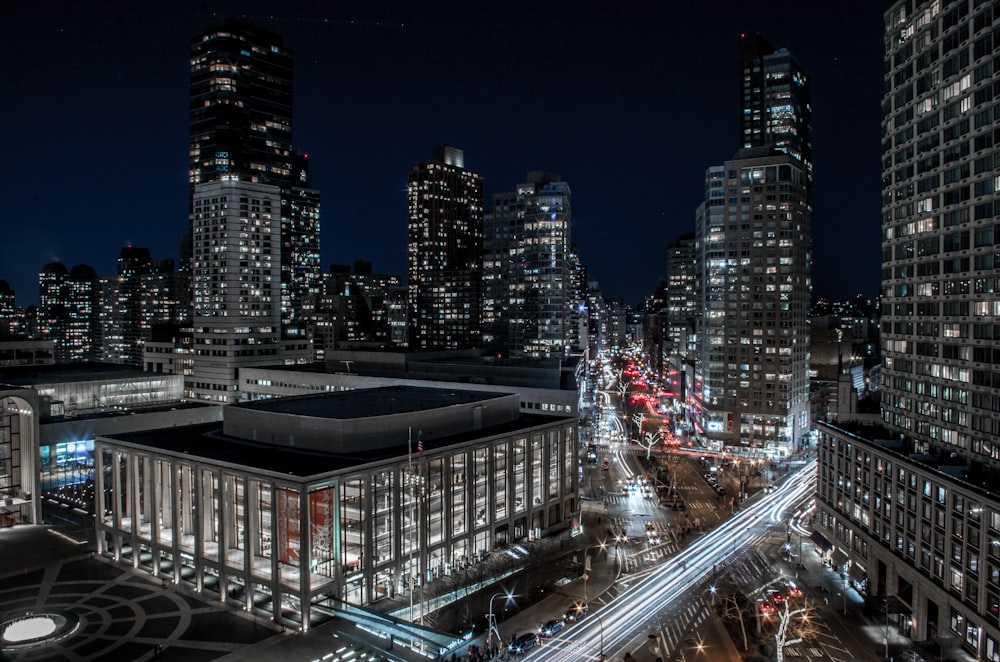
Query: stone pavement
x=124, y=615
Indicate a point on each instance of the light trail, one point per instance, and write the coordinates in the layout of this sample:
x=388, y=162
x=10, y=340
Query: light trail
x=619, y=620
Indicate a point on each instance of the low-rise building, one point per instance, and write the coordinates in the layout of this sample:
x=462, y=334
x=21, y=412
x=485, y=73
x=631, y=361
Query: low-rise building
x=914, y=530
x=293, y=505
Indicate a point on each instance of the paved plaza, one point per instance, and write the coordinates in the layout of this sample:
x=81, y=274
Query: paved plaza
x=123, y=615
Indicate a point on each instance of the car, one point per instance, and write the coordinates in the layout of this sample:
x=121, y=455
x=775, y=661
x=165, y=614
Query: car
x=765, y=606
x=551, y=628
x=775, y=597
x=792, y=588
x=524, y=643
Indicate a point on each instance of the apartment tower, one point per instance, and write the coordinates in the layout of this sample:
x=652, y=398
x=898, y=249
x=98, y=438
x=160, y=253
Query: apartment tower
x=911, y=507
x=530, y=305
x=241, y=129
x=445, y=235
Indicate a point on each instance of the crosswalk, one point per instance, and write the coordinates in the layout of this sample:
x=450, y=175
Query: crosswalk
x=617, y=500
x=660, y=552
x=688, y=615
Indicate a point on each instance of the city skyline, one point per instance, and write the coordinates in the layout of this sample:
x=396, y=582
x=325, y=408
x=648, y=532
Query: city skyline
x=643, y=97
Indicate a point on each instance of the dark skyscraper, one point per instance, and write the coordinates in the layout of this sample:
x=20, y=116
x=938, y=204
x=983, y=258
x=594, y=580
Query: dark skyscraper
x=241, y=129
x=241, y=105
x=775, y=100
x=445, y=252
x=754, y=264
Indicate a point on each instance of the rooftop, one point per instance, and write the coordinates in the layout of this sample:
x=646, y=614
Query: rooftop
x=71, y=372
x=366, y=403
x=941, y=458
x=208, y=441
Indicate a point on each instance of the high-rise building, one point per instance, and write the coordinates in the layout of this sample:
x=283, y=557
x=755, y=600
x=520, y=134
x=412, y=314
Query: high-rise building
x=121, y=307
x=754, y=262
x=69, y=311
x=445, y=230
x=241, y=129
x=357, y=308
x=939, y=211
x=529, y=304
x=776, y=109
x=241, y=105
x=910, y=508
x=681, y=297
x=7, y=309
x=144, y=292
x=236, y=280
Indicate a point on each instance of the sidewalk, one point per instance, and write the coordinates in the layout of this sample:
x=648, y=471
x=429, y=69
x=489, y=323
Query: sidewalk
x=844, y=606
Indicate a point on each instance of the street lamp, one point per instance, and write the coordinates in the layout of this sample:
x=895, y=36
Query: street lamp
x=492, y=621
x=586, y=566
x=698, y=647
x=600, y=621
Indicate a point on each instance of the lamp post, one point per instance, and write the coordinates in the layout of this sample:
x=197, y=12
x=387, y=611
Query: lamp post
x=885, y=633
x=586, y=566
x=600, y=621
x=492, y=621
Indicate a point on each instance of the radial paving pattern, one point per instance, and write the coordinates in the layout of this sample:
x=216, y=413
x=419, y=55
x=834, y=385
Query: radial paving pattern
x=123, y=617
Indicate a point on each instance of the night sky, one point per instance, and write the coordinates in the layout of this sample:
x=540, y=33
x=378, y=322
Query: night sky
x=629, y=102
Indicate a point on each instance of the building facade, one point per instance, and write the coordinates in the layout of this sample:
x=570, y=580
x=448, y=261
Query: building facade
x=20, y=502
x=916, y=500
x=241, y=129
x=776, y=109
x=754, y=264
x=530, y=305
x=299, y=503
x=917, y=533
x=444, y=252
x=939, y=288
x=236, y=278
x=69, y=311
x=681, y=305
x=357, y=307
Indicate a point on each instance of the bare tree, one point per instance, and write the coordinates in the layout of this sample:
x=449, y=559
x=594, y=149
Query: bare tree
x=734, y=607
x=795, y=626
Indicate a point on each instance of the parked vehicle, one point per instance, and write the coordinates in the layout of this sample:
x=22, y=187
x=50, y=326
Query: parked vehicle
x=575, y=612
x=551, y=628
x=524, y=643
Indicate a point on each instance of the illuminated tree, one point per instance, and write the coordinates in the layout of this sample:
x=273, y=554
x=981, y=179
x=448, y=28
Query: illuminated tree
x=795, y=626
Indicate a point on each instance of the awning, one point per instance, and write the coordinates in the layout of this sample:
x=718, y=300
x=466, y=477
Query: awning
x=858, y=573
x=839, y=557
x=820, y=541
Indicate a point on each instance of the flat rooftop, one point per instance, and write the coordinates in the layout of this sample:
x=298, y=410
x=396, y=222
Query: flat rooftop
x=208, y=441
x=940, y=458
x=71, y=372
x=369, y=402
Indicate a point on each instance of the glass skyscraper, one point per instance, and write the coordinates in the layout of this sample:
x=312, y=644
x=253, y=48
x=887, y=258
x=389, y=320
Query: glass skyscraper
x=776, y=109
